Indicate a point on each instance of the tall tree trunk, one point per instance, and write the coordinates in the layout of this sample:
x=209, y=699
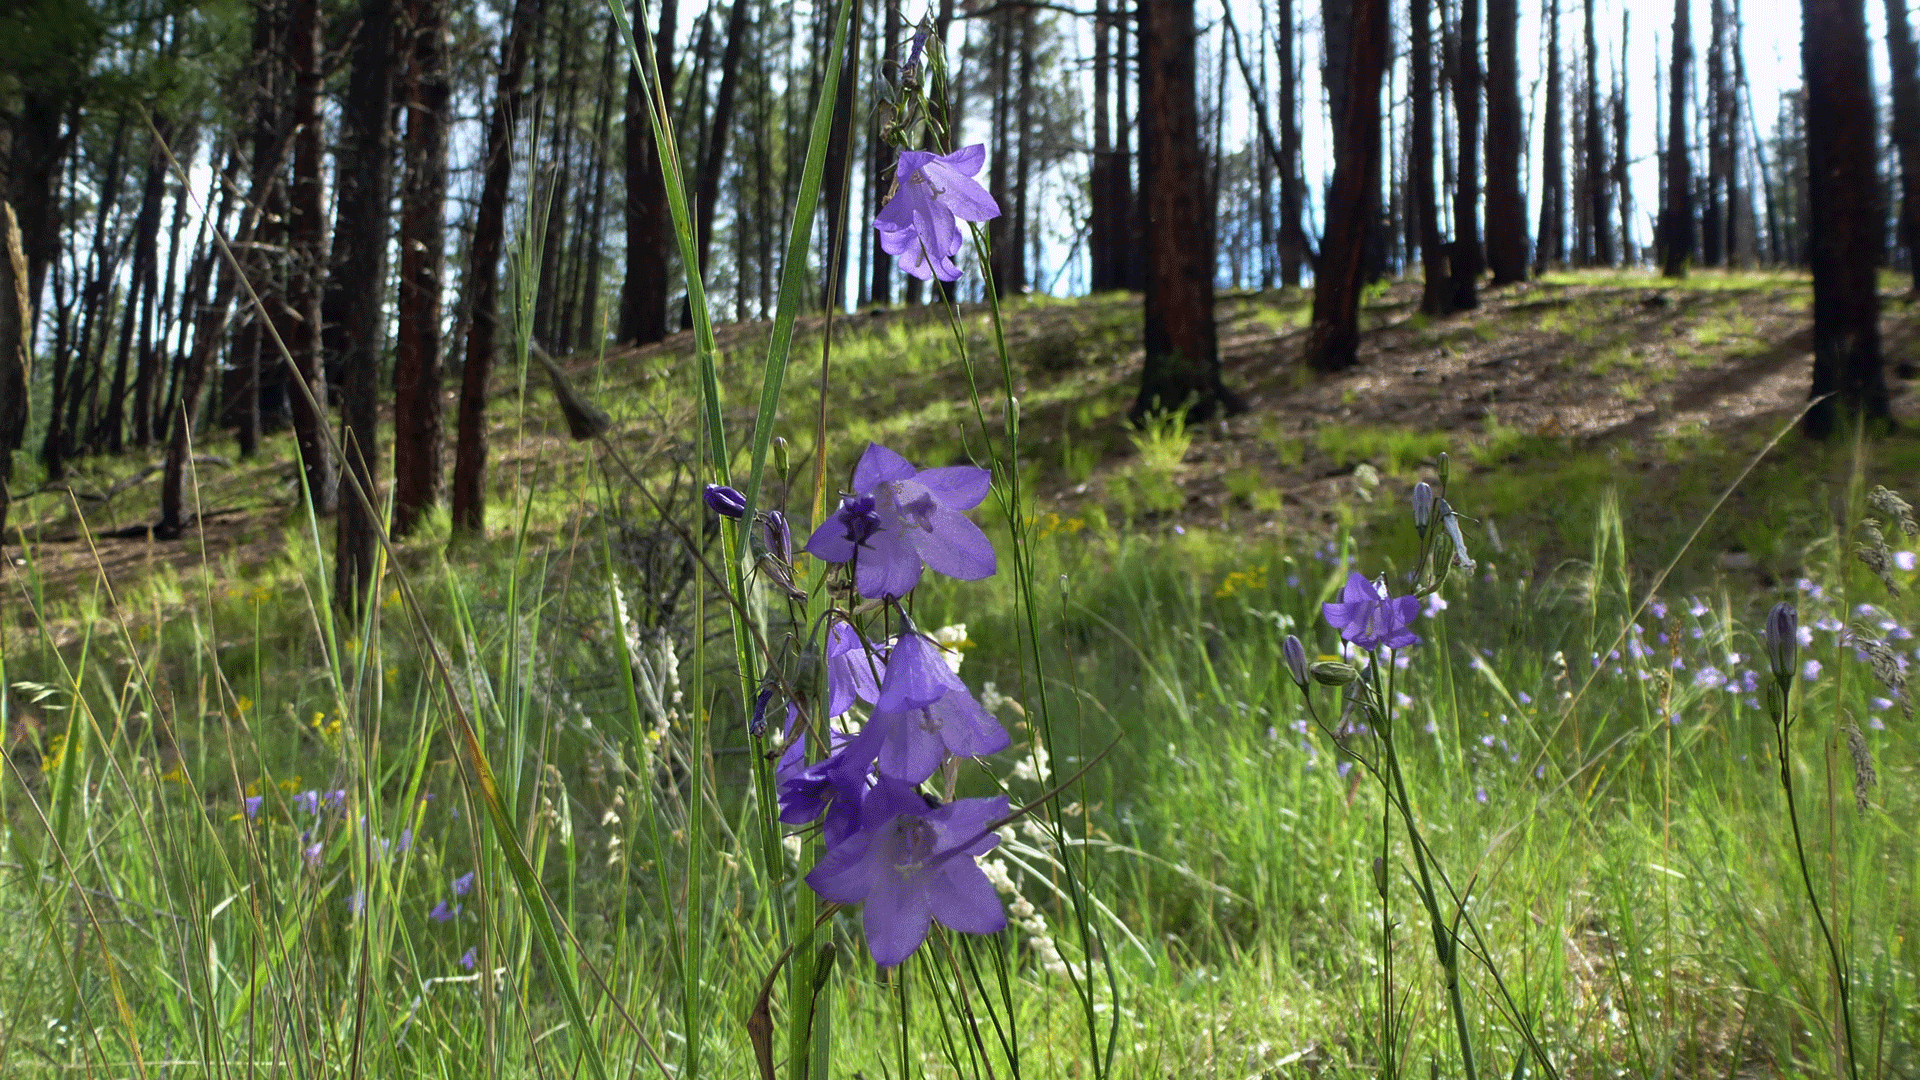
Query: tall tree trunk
x=1506, y=208
x=209, y=321
x=1293, y=237
x=307, y=226
x=558, y=188
x=148, y=360
x=1677, y=230
x=1466, y=261
x=146, y=247
x=881, y=289
x=588, y=314
x=1100, y=241
x=1846, y=222
x=1436, y=296
x=1333, y=341
x=837, y=184
x=483, y=275
x=1000, y=230
x=365, y=169
x=1182, y=366
x=418, y=424
x=1623, y=177
x=1551, y=249
x=1023, y=128
x=1904, y=67
x=1599, y=190
x=707, y=195
x=643, y=297
x=1713, y=211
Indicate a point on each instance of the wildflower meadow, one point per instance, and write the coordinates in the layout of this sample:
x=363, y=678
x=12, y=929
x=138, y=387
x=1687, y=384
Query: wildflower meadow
x=779, y=738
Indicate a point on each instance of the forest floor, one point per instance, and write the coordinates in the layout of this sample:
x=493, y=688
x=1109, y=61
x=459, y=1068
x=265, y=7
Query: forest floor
x=1665, y=385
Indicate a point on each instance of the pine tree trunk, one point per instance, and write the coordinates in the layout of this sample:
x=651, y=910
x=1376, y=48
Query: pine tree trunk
x=1623, y=176
x=1845, y=223
x=483, y=278
x=1466, y=260
x=418, y=424
x=1904, y=67
x=1436, y=296
x=1599, y=211
x=1506, y=211
x=1333, y=341
x=1551, y=248
x=707, y=197
x=1677, y=226
x=365, y=171
x=1182, y=366
x=1293, y=237
x=836, y=187
x=643, y=296
x=307, y=226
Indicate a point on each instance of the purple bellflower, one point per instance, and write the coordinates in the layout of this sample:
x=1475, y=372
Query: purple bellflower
x=924, y=713
x=836, y=787
x=725, y=501
x=913, y=865
x=900, y=519
x=1368, y=617
x=853, y=670
x=918, y=226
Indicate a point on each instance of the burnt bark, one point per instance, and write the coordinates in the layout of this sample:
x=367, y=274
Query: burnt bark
x=306, y=256
x=1904, y=67
x=1677, y=225
x=1182, y=366
x=1844, y=230
x=365, y=170
x=418, y=426
x=707, y=191
x=1333, y=341
x=643, y=296
x=1599, y=182
x=1293, y=236
x=483, y=278
x=1436, y=296
x=1551, y=247
x=1506, y=211
x=1466, y=261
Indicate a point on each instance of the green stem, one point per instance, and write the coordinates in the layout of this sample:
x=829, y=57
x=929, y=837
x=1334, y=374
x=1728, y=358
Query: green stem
x=1819, y=918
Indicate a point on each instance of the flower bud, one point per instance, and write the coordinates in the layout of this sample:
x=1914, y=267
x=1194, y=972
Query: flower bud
x=1422, y=506
x=1783, y=640
x=780, y=461
x=1380, y=874
x=725, y=501
x=1296, y=657
x=779, y=536
x=1333, y=673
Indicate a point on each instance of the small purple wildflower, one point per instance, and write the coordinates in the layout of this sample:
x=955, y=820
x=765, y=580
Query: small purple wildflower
x=252, y=804
x=1810, y=670
x=443, y=913
x=1525, y=698
x=307, y=802
x=406, y=842
x=1904, y=560
x=853, y=670
x=924, y=713
x=1709, y=678
x=469, y=958
x=1880, y=704
x=1480, y=795
x=311, y=856
x=900, y=519
x=463, y=883
x=919, y=225
x=725, y=501
x=1344, y=768
x=1368, y=617
x=912, y=865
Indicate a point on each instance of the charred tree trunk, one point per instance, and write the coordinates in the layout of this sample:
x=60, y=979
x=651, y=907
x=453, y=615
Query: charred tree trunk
x=1023, y=148
x=1182, y=367
x=1845, y=227
x=483, y=277
x=1293, y=237
x=1551, y=248
x=1904, y=66
x=1466, y=261
x=1506, y=210
x=1436, y=296
x=365, y=169
x=1621, y=175
x=1599, y=176
x=643, y=298
x=418, y=426
x=880, y=291
x=1677, y=230
x=307, y=228
x=1100, y=241
x=1714, y=209
x=1333, y=341
x=837, y=187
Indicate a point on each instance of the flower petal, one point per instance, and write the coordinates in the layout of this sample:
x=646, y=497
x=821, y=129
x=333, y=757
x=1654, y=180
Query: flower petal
x=879, y=464
x=829, y=542
x=888, y=566
x=846, y=875
x=961, y=194
x=966, y=161
x=962, y=898
x=956, y=547
x=958, y=487
x=896, y=918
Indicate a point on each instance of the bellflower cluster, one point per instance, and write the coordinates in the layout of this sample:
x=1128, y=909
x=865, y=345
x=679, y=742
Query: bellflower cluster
x=893, y=713
x=932, y=193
